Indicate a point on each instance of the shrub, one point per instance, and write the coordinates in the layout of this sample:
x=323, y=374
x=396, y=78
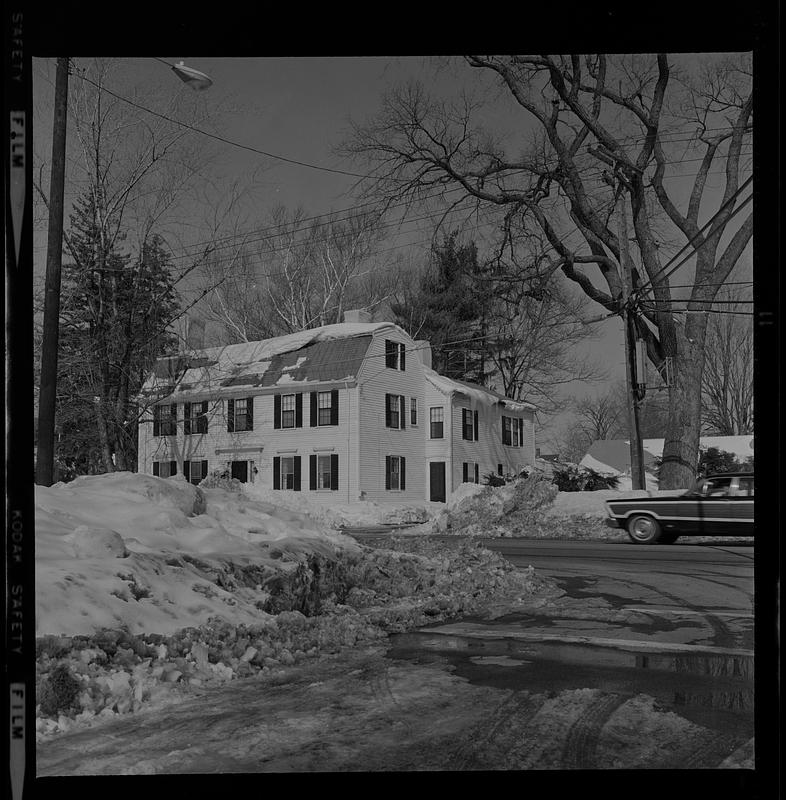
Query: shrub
x=58, y=692
x=494, y=479
x=573, y=478
x=219, y=479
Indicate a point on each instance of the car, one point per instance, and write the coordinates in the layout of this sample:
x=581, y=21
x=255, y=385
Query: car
x=718, y=505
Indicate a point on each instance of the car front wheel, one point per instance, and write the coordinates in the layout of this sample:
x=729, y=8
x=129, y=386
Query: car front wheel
x=643, y=529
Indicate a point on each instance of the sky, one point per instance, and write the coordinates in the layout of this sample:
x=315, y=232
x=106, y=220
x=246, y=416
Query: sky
x=298, y=109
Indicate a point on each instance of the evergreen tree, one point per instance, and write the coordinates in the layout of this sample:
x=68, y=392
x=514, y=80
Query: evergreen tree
x=450, y=309
x=114, y=318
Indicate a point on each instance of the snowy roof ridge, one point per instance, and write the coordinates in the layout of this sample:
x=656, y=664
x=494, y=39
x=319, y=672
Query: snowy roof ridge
x=482, y=393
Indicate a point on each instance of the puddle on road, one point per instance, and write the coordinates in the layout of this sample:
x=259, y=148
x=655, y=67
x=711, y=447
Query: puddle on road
x=715, y=691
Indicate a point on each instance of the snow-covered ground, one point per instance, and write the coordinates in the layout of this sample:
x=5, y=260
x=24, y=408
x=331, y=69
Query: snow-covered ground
x=148, y=586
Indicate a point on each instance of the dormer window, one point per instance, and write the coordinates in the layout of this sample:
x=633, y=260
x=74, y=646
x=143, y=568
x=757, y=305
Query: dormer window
x=394, y=355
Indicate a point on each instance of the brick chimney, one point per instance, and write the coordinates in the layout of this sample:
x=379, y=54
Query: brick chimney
x=357, y=315
x=424, y=352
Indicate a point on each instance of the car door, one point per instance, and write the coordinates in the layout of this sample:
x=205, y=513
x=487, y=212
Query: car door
x=742, y=503
x=715, y=506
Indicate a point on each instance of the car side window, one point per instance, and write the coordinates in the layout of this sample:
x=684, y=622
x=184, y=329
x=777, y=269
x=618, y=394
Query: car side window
x=746, y=487
x=716, y=487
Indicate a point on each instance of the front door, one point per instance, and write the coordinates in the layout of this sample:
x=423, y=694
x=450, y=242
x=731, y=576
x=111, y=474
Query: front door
x=437, y=481
x=240, y=471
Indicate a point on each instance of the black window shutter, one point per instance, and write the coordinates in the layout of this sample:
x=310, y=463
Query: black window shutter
x=187, y=468
x=172, y=468
x=249, y=413
x=204, y=469
x=299, y=410
x=312, y=472
x=203, y=420
x=521, y=433
x=276, y=472
x=173, y=417
x=499, y=469
x=387, y=472
x=464, y=413
x=296, y=477
x=334, y=407
x=313, y=422
x=403, y=357
x=475, y=425
x=387, y=414
x=390, y=353
x=156, y=469
x=464, y=471
x=277, y=411
x=477, y=473
x=186, y=418
x=403, y=476
x=402, y=411
x=156, y=423
x=230, y=416
x=334, y=471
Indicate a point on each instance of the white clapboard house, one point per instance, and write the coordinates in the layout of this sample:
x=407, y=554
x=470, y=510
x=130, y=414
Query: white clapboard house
x=344, y=412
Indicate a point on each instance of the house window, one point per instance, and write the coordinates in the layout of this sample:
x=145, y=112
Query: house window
x=288, y=472
x=240, y=414
x=195, y=418
x=165, y=469
x=165, y=420
x=394, y=355
x=470, y=472
x=506, y=430
x=195, y=471
x=437, y=422
x=394, y=411
x=323, y=472
x=395, y=473
x=469, y=424
x=288, y=411
x=324, y=406
x=413, y=411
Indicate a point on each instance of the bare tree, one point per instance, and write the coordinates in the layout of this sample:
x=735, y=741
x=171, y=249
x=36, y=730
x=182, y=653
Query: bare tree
x=727, y=382
x=297, y=273
x=603, y=132
x=601, y=417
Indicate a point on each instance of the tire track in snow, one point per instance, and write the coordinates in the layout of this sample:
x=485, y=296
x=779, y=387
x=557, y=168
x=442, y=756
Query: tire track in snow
x=508, y=719
x=582, y=739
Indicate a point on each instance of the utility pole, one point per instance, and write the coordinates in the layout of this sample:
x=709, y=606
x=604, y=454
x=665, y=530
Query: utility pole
x=629, y=329
x=54, y=258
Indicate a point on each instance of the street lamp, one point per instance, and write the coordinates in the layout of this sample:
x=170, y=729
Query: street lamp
x=45, y=457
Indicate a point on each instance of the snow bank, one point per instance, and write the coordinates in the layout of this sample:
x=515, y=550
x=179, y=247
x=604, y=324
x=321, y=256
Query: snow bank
x=134, y=550
x=361, y=513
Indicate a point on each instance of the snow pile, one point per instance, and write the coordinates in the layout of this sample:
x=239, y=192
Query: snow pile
x=152, y=554
x=147, y=588
x=339, y=515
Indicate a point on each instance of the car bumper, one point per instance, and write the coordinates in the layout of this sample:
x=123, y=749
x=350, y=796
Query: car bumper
x=612, y=523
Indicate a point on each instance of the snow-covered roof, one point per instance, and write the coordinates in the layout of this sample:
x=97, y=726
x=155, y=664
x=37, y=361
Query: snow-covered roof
x=479, y=393
x=612, y=456
x=330, y=352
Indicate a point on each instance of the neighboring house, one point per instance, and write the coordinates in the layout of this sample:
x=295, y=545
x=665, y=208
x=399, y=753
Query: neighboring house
x=338, y=411
x=472, y=431
x=612, y=456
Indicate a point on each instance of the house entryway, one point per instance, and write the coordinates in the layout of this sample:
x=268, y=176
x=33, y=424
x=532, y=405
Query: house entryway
x=437, y=481
x=239, y=470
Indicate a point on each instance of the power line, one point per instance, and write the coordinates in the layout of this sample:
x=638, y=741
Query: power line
x=224, y=140
x=701, y=230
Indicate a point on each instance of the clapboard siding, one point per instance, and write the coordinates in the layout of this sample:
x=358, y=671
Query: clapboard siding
x=375, y=380
x=264, y=442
